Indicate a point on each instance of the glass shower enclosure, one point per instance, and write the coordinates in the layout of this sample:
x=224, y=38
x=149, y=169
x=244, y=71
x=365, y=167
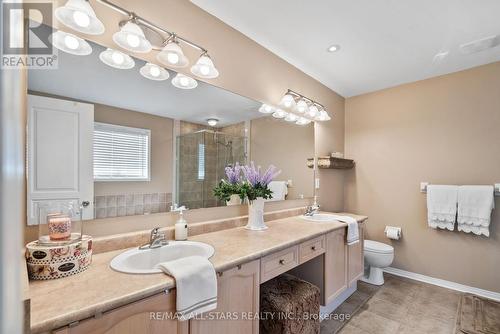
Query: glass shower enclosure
x=201, y=158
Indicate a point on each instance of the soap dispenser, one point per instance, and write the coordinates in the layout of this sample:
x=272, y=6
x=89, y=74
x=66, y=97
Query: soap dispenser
x=181, y=227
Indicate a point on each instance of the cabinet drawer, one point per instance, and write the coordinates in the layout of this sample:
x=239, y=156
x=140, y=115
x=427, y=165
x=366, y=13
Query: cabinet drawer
x=278, y=263
x=311, y=248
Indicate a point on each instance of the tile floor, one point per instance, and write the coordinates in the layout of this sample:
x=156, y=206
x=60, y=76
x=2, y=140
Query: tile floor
x=399, y=306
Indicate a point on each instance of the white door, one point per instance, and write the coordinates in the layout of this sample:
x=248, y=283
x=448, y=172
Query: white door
x=60, y=140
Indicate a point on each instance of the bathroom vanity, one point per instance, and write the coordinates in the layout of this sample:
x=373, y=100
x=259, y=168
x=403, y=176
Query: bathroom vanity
x=101, y=300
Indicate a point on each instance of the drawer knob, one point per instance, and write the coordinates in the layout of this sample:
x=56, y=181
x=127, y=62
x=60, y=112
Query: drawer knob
x=282, y=261
x=313, y=248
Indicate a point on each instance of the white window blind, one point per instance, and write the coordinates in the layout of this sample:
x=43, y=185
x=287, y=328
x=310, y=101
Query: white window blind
x=121, y=153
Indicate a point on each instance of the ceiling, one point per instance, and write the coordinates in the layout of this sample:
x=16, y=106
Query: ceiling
x=86, y=78
x=384, y=43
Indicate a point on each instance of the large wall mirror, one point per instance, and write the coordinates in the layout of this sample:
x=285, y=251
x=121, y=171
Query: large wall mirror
x=133, y=146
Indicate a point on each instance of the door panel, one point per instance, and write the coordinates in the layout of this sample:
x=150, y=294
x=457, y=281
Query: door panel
x=60, y=136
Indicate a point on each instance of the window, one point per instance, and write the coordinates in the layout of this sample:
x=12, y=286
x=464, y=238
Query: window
x=201, y=161
x=121, y=153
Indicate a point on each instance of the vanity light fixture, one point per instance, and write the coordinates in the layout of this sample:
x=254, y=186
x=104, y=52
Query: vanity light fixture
x=301, y=109
x=117, y=59
x=132, y=38
x=172, y=55
x=204, y=68
x=79, y=15
x=70, y=43
x=154, y=72
x=184, y=82
x=266, y=109
x=212, y=121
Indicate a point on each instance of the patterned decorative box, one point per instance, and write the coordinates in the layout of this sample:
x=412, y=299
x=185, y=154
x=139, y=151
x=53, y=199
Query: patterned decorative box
x=50, y=262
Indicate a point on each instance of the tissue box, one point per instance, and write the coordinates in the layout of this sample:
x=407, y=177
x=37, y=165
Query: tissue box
x=50, y=262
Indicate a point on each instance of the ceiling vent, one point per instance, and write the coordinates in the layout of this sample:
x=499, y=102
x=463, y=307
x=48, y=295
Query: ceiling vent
x=480, y=44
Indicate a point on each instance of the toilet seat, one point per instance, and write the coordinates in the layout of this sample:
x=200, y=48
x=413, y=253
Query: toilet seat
x=377, y=247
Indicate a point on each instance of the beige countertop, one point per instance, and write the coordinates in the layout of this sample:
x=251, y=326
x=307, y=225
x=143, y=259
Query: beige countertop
x=56, y=303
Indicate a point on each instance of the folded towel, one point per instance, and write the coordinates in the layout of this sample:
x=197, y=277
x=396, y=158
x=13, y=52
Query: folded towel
x=352, y=228
x=279, y=190
x=442, y=206
x=475, y=204
x=196, y=285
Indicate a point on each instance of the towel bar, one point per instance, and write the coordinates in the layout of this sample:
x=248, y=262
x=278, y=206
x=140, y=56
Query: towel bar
x=423, y=188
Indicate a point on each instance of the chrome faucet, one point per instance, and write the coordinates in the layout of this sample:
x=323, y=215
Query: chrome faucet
x=311, y=210
x=156, y=239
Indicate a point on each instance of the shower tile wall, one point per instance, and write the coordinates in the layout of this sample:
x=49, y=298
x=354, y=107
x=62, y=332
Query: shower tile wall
x=120, y=205
x=195, y=189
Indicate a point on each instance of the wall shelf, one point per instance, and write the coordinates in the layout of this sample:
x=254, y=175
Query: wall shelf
x=331, y=163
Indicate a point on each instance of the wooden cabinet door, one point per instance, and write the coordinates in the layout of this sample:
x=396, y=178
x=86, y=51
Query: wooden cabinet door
x=356, y=258
x=146, y=316
x=237, y=297
x=335, y=265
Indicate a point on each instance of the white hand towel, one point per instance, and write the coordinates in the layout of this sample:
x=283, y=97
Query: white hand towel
x=475, y=204
x=196, y=285
x=442, y=206
x=352, y=228
x=279, y=190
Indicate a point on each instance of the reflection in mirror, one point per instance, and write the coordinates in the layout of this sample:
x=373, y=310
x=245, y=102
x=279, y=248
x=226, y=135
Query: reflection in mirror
x=133, y=146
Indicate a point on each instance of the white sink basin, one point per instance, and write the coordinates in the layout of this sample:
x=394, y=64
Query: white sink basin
x=320, y=218
x=136, y=261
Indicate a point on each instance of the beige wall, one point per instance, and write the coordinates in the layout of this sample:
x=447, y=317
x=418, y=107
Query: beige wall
x=287, y=146
x=444, y=130
x=161, y=150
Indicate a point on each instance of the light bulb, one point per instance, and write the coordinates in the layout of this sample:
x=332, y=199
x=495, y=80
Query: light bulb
x=133, y=40
x=184, y=81
x=288, y=101
x=313, y=111
x=118, y=58
x=173, y=58
x=81, y=19
x=71, y=42
x=301, y=106
x=154, y=71
x=204, y=69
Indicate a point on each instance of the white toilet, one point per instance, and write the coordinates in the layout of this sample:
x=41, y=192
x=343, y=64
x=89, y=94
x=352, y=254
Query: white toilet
x=377, y=257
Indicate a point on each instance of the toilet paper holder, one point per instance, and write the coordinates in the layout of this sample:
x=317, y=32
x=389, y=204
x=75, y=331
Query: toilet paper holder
x=393, y=232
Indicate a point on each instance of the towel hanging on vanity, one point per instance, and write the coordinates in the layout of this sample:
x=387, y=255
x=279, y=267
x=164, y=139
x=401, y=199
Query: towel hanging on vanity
x=196, y=285
x=475, y=204
x=352, y=228
x=442, y=206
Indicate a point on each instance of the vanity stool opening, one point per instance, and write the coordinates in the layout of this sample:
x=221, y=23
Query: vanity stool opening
x=289, y=305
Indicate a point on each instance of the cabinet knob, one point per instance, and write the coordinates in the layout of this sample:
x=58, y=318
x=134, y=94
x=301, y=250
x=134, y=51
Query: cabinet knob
x=85, y=204
x=282, y=261
x=313, y=248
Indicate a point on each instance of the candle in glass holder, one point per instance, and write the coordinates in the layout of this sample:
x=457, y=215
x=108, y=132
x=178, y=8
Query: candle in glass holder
x=59, y=226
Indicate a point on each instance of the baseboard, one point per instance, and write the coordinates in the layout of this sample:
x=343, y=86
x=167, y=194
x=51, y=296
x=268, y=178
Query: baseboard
x=444, y=283
x=332, y=306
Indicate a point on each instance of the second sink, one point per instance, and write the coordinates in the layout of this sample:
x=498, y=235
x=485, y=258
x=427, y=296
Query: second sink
x=136, y=261
x=320, y=218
